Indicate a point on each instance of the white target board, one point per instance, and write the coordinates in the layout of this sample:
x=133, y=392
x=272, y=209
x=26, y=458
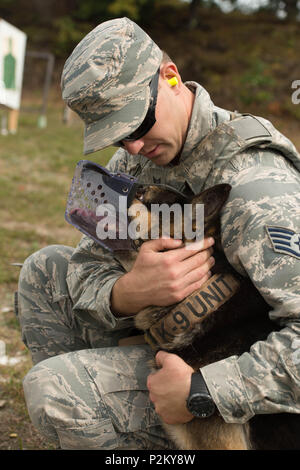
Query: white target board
x=12, y=54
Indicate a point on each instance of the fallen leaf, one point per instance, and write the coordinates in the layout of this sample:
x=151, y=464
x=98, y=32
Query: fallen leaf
x=13, y=434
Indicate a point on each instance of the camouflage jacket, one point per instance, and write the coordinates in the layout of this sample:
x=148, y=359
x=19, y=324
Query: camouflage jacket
x=265, y=197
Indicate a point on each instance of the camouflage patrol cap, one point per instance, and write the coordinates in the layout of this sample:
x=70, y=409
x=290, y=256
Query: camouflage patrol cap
x=105, y=81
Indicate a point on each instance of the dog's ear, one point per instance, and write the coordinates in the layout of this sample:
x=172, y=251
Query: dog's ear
x=158, y=195
x=213, y=199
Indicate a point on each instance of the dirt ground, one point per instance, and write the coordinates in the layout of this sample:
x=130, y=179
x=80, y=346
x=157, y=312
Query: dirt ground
x=26, y=437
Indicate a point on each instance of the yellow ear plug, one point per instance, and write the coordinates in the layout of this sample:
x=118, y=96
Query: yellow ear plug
x=173, y=81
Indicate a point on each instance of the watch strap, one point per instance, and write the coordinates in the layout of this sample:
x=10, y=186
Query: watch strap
x=198, y=384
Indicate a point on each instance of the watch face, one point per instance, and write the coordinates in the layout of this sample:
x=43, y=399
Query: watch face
x=201, y=405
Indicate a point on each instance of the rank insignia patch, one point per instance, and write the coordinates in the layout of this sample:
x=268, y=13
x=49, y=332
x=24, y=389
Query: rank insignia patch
x=284, y=240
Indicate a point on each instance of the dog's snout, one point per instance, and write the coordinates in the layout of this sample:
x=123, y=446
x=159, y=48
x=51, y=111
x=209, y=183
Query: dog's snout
x=140, y=194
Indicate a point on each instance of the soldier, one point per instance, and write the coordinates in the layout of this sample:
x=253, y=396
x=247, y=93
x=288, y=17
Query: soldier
x=85, y=392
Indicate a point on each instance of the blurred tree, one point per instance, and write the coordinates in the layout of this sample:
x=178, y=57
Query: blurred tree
x=6, y=4
x=83, y=15
x=193, y=14
x=138, y=10
x=68, y=33
x=92, y=9
x=289, y=8
x=44, y=10
x=292, y=8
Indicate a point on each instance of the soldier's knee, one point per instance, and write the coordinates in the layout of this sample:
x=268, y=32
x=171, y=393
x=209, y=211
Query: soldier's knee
x=61, y=405
x=41, y=262
x=42, y=303
x=41, y=271
x=37, y=386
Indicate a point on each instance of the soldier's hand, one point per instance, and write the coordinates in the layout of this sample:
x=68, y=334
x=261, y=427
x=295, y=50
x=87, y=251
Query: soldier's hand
x=167, y=277
x=169, y=388
x=165, y=272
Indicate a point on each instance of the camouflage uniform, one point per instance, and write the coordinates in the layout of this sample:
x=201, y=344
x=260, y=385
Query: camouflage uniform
x=97, y=398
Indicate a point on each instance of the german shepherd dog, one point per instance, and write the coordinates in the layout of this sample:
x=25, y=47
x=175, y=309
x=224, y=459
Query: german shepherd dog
x=229, y=329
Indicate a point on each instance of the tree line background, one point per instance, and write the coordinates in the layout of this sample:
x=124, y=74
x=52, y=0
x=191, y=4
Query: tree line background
x=247, y=57
x=59, y=24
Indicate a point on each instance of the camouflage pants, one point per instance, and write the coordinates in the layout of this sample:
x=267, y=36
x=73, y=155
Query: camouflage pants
x=83, y=392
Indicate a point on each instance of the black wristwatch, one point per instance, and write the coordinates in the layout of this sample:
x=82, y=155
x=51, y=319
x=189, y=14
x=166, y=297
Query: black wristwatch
x=199, y=401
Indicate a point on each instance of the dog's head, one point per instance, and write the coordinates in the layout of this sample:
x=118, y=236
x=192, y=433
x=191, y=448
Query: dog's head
x=144, y=211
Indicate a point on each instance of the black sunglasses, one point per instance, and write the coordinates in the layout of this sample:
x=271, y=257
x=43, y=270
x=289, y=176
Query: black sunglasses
x=150, y=119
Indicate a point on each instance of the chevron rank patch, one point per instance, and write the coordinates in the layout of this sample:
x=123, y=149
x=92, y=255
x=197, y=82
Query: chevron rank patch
x=284, y=240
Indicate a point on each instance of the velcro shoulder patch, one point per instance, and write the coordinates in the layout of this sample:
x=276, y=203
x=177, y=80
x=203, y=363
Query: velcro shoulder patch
x=284, y=240
x=248, y=127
